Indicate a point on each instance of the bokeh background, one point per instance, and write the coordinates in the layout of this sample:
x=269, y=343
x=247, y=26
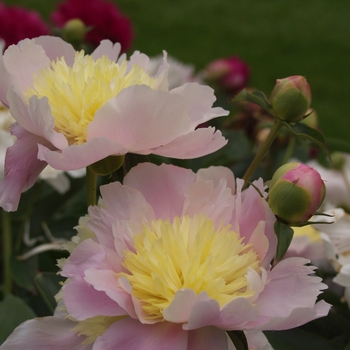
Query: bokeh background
x=277, y=38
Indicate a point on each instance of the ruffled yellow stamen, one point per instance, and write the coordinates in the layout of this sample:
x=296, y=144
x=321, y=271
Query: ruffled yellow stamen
x=76, y=93
x=188, y=253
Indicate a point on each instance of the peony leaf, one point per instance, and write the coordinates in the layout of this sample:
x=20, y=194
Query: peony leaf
x=303, y=130
x=284, y=235
x=239, y=339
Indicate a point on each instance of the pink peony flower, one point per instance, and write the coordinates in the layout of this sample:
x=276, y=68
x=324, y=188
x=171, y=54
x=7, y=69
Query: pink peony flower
x=104, y=17
x=173, y=257
x=73, y=110
x=17, y=23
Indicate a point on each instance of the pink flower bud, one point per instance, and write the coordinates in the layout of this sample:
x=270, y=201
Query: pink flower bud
x=291, y=98
x=296, y=192
x=231, y=74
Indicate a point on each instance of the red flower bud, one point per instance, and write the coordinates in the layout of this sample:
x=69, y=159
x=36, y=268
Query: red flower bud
x=296, y=192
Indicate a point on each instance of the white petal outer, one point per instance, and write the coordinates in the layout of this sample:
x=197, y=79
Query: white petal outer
x=141, y=119
x=218, y=174
x=22, y=167
x=200, y=100
x=130, y=334
x=80, y=156
x=47, y=333
x=55, y=48
x=107, y=48
x=6, y=81
x=208, y=338
x=36, y=118
x=22, y=61
x=197, y=143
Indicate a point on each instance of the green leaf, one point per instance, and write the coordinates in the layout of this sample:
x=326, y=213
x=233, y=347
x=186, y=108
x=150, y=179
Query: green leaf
x=284, y=235
x=48, y=284
x=13, y=311
x=24, y=272
x=239, y=339
x=257, y=97
x=303, y=130
x=336, y=144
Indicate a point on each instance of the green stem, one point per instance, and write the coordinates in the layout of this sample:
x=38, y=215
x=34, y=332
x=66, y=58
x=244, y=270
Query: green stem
x=91, y=187
x=7, y=251
x=290, y=149
x=262, y=151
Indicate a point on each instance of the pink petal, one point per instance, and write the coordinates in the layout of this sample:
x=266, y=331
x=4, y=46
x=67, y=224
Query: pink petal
x=22, y=167
x=130, y=334
x=162, y=186
x=197, y=143
x=84, y=301
x=80, y=156
x=7, y=80
x=208, y=338
x=55, y=48
x=218, y=174
x=36, y=118
x=290, y=287
x=140, y=118
x=107, y=48
x=200, y=100
x=108, y=282
x=44, y=333
x=22, y=61
x=234, y=315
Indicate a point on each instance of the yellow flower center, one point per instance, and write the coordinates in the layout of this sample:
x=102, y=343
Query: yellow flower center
x=76, y=93
x=308, y=231
x=188, y=253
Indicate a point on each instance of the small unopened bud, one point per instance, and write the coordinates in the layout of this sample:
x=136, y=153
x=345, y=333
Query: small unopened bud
x=230, y=74
x=74, y=31
x=296, y=192
x=291, y=98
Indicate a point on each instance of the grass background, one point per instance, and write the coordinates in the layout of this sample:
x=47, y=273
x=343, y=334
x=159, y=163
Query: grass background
x=277, y=38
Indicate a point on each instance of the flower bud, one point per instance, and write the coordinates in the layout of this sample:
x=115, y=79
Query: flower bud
x=296, y=192
x=74, y=31
x=291, y=98
x=230, y=74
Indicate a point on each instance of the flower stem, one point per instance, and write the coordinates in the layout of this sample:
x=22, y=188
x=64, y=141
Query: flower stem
x=7, y=251
x=262, y=151
x=91, y=187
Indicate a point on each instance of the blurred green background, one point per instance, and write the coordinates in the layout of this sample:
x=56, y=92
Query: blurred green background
x=277, y=38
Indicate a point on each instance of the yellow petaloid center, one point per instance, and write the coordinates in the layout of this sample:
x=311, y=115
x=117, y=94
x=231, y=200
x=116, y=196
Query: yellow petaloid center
x=188, y=253
x=76, y=93
x=308, y=231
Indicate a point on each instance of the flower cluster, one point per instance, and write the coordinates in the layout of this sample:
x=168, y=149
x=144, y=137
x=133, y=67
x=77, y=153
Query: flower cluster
x=175, y=257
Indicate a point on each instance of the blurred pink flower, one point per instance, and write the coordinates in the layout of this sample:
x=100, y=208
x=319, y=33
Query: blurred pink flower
x=104, y=17
x=230, y=74
x=18, y=23
x=173, y=257
x=73, y=110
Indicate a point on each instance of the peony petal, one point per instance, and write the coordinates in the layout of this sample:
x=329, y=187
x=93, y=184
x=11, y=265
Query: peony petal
x=80, y=156
x=107, y=48
x=257, y=340
x=217, y=174
x=200, y=100
x=83, y=301
x=22, y=61
x=22, y=167
x=36, y=118
x=197, y=143
x=44, y=333
x=55, y=48
x=207, y=338
x=130, y=334
x=162, y=186
x=140, y=118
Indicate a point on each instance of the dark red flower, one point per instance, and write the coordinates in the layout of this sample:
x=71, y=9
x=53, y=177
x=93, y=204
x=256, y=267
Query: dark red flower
x=18, y=23
x=104, y=17
x=231, y=74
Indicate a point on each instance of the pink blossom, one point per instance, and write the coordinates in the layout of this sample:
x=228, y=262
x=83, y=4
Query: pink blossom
x=71, y=121
x=18, y=23
x=104, y=17
x=230, y=74
x=170, y=260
